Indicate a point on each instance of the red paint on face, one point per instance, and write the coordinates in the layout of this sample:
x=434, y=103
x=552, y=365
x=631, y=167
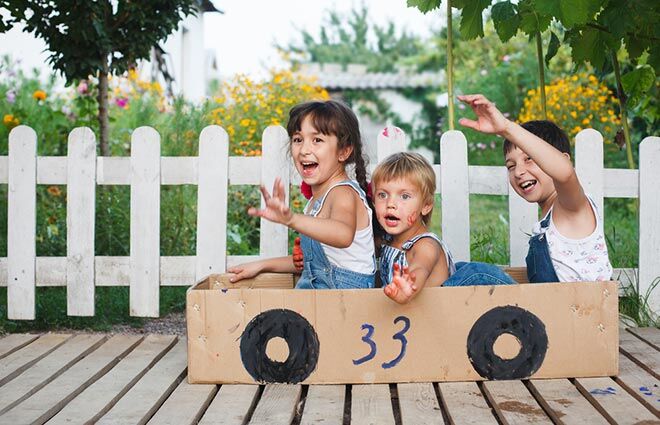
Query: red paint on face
x=411, y=219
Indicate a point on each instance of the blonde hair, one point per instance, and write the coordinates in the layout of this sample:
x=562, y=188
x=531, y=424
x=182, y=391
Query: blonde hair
x=410, y=166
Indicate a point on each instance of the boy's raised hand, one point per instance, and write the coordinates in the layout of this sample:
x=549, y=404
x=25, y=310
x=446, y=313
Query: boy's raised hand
x=276, y=209
x=489, y=119
x=402, y=288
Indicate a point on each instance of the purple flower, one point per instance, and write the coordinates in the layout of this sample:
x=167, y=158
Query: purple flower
x=11, y=96
x=83, y=87
x=122, y=102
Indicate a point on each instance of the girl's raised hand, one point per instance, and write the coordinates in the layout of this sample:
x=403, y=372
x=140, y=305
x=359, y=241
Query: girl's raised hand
x=402, y=288
x=489, y=119
x=276, y=209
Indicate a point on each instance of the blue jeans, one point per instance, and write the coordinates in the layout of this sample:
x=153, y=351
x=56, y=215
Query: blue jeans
x=475, y=273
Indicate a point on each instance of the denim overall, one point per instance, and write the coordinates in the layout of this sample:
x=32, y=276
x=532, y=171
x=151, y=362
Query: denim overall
x=389, y=256
x=539, y=263
x=318, y=272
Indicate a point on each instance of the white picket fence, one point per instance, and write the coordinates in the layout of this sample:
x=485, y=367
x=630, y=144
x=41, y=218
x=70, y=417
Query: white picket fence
x=145, y=270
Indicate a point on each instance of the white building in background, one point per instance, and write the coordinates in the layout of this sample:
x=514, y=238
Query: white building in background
x=191, y=66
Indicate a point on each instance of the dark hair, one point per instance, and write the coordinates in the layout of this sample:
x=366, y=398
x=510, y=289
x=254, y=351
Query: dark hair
x=546, y=130
x=335, y=118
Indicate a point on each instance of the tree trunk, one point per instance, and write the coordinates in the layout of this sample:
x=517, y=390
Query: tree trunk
x=539, y=54
x=103, y=110
x=450, y=69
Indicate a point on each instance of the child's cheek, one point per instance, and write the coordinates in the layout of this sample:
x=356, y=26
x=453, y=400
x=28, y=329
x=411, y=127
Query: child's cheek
x=411, y=219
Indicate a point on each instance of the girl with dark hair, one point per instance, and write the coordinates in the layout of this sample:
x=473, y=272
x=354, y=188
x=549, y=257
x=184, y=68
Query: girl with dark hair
x=337, y=238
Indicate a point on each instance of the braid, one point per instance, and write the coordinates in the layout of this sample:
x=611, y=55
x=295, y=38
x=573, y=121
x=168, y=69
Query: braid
x=361, y=177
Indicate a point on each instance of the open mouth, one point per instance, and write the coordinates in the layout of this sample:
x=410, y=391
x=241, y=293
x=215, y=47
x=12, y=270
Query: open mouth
x=527, y=186
x=308, y=167
x=391, y=220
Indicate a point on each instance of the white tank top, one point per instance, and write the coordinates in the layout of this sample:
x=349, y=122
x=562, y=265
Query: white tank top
x=578, y=260
x=360, y=255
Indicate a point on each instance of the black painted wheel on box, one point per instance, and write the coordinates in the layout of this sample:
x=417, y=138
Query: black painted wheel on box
x=298, y=333
x=520, y=323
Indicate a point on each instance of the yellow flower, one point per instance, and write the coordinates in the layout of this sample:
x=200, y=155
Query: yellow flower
x=586, y=121
x=10, y=121
x=39, y=95
x=245, y=122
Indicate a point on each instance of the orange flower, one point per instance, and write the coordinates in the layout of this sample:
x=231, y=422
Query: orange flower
x=54, y=190
x=39, y=95
x=10, y=121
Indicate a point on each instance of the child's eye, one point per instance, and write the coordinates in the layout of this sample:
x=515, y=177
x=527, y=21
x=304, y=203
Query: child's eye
x=510, y=167
x=528, y=159
x=381, y=195
x=406, y=196
x=318, y=140
x=296, y=140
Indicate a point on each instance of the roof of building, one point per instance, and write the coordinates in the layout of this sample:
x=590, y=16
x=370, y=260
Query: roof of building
x=355, y=77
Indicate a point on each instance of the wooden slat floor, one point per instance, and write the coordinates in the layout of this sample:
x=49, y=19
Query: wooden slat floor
x=129, y=379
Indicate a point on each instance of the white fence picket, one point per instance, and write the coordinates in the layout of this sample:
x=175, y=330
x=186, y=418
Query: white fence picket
x=21, y=223
x=80, y=213
x=274, y=163
x=589, y=166
x=522, y=216
x=212, y=188
x=391, y=140
x=649, y=223
x=455, y=194
x=145, y=222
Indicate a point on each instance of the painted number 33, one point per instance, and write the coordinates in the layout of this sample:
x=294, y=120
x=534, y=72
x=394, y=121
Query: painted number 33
x=372, y=344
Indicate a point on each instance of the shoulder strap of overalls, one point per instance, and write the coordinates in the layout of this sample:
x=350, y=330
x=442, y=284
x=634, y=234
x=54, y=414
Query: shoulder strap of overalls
x=318, y=205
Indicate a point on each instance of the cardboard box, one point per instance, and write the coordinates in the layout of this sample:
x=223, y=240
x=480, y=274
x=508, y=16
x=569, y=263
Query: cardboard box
x=257, y=335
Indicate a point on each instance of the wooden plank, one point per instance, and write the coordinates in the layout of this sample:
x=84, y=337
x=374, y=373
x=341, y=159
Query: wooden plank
x=522, y=217
x=488, y=180
x=99, y=397
x=186, y=404
x=419, y=404
x=212, y=202
x=649, y=232
x=277, y=405
x=565, y=402
x=371, y=404
x=273, y=237
x=465, y=403
x=47, y=369
x=614, y=402
x=514, y=404
x=639, y=383
x=650, y=335
x=245, y=170
x=145, y=397
x=621, y=183
x=15, y=363
x=455, y=194
x=324, y=403
x=179, y=170
x=145, y=223
x=80, y=219
x=13, y=342
x=49, y=400
x=640, y=352
x=231, y=405
x=589, y=165
x=21, y=223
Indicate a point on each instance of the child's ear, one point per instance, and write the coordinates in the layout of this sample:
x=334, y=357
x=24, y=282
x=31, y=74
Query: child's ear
x=427, y=209
x=345, y=153
x=567, y=155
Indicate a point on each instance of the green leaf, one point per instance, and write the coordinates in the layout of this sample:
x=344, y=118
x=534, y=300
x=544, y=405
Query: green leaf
x=637, y=83
x=424, y=6
x=505, y=19
x=569, y=12
x=531, y=21
x=553, y=48
x=472, y=25
x=589, y=45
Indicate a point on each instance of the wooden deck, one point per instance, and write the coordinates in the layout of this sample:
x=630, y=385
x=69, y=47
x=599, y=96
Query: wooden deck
x=126, y=379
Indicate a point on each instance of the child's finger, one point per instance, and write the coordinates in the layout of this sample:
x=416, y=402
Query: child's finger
x=254, y=212
x=264, y=193
x=466, y=122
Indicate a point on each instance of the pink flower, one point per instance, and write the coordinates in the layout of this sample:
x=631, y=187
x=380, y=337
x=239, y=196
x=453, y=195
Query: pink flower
x=83, y=87
x=122, y=102
x=11, y=96
x=506, y=58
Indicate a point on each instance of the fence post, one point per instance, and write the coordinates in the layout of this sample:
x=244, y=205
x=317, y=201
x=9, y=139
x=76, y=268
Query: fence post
x=213, y=183
x=273, y=241
x=522, y=217
x=589, y=166
x=21, y=223
x=145, y=223
x=455, y=188
x=649, y=230
x=391, y=140
x=80, y=214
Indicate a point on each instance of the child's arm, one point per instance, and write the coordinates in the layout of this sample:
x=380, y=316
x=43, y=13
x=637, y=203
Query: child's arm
x=275, y=265
x=422, y=258
x=338, y=230
x=553, y=162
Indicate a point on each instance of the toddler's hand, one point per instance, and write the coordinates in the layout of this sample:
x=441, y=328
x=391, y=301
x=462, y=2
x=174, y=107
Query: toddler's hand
x=276, y=209
x=489, y=118
x=402, y=288
x=244, y=271
x=298, y=261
